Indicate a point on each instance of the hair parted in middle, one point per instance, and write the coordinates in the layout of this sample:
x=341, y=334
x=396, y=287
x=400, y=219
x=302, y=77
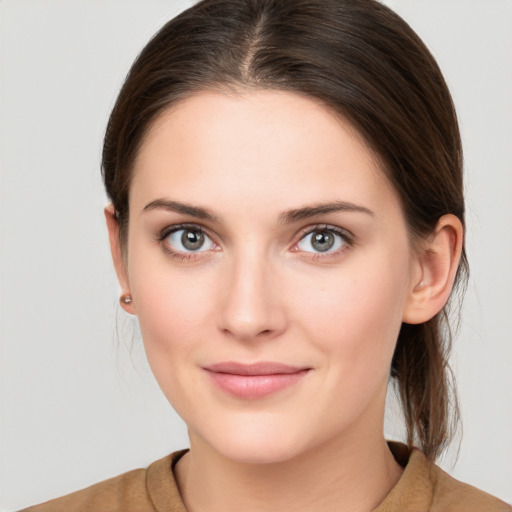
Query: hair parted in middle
x=358, y=59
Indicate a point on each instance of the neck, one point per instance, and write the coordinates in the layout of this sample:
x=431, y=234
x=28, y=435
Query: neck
x=339, y=475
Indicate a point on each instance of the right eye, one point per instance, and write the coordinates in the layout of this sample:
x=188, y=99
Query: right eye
x=187, y=240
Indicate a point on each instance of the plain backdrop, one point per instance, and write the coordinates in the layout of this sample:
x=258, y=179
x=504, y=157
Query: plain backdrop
x=78, y=402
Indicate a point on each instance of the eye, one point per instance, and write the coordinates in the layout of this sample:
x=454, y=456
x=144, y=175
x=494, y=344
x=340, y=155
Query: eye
x=323, y=240
x=188, y=239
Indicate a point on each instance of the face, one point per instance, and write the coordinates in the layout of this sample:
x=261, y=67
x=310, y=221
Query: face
x=270, y=266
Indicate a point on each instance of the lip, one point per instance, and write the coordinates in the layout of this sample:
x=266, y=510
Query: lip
x=256, y=380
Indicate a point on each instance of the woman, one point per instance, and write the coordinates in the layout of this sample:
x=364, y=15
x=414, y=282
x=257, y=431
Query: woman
x=287, y=223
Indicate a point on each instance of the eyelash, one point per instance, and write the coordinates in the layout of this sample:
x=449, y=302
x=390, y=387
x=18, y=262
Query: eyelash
x=169, y=230
x=347, y=238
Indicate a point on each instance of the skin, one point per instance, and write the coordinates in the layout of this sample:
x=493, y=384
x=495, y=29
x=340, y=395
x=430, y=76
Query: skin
x=259, y=290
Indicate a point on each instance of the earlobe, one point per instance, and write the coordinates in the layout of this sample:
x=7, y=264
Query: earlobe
x=436, y=264
x=118, y=258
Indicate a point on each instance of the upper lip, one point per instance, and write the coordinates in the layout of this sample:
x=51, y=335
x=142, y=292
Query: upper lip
x=260, y=368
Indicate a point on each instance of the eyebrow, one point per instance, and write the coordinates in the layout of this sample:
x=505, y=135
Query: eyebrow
x=287, y=217
x=321, y=209
x=183, y=208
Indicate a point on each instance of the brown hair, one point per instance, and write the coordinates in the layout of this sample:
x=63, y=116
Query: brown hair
x=362, y=61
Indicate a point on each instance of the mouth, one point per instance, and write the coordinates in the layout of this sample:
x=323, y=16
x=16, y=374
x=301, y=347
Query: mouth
x=257, y=380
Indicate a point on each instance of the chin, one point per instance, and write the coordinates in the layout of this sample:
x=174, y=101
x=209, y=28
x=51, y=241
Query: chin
x=258, y=443
x=266, y=452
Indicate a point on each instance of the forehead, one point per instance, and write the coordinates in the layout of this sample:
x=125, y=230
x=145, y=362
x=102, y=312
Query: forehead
x=264, y=146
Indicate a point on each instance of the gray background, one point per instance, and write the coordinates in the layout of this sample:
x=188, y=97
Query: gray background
x=78, y=403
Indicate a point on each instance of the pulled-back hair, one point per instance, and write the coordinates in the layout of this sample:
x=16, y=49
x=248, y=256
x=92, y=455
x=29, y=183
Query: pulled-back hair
x=360, y=60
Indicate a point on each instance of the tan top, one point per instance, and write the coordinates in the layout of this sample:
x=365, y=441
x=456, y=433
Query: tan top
x=423, y=487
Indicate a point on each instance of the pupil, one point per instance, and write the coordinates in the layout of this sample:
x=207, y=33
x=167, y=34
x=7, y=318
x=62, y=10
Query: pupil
x=192, y=240
x=323, y=241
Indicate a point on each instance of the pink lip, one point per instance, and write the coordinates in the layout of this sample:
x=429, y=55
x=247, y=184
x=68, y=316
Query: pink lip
x=256, y=380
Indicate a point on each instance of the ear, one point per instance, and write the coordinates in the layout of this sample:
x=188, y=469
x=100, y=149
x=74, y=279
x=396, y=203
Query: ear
x=118, y=256
x=437, y=260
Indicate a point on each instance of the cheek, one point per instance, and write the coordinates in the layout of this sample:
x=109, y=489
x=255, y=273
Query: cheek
x=172, y=305
x=354, y=316
x=172, y=312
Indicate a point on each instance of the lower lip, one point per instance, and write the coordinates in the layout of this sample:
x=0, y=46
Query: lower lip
x=255, y=386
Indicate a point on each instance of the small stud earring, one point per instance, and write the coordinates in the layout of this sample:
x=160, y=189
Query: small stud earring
x=126, y=300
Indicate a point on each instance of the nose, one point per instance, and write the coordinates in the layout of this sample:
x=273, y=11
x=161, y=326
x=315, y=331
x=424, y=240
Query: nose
x=252, y=305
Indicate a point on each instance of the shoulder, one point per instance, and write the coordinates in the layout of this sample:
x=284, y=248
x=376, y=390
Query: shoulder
x=425, y=487
x=112, y=495
x=452, y=495
x=139, y=489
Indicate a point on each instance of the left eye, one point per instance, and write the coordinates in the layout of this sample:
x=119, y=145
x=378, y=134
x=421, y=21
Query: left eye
x=321, y=240
x=189, y=240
